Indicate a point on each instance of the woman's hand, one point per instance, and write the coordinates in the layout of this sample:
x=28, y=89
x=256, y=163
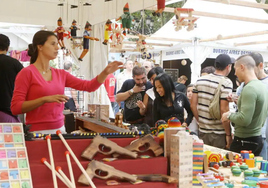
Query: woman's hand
x=56, y=98
x=109, y=69
x=141, y=105
x=112, y=67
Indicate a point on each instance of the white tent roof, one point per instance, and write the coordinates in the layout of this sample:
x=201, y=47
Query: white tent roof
x=208, y=27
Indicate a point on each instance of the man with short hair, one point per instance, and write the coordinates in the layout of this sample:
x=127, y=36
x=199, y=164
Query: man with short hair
x=213, y=131
x=180, y=84
x=207, y=70
x=9, y=68
x=132, y=91
x=148, y=65
x=252, y=108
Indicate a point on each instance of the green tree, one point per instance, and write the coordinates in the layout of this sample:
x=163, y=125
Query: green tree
x=141, y=25
x=266, y=2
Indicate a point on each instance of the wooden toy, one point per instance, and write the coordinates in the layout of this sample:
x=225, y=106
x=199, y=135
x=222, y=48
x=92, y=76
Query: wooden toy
x=14, y=164
x=236, y=172
x=182, y=21
x=245, y=154
x=126, y=19
x=208, y=180
x=51, y=158
x=91, y=135
x=118, y=119
x=181, y=158
x=258, y=161
x=87, y=37
x=116, y=37
x=67, y=154
x=160, y=7
x=157, y=178
x=44, y=161
x=214, y=157
x=250, y=163
x=100, y=142
x=147, y=143
x=60, y=30
x=248, y=173
x=73, y=29
x=107, y=30
x=58, y=168
x=243, y=167
x=95, y=168
x=75, y=159
x=256, y=172
x=197, y=159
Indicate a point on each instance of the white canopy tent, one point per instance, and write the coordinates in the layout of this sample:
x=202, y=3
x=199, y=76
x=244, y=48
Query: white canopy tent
x=208, y=30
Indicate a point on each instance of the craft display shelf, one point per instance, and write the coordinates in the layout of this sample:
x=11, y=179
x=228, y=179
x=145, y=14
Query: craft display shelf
x=97, y=126
x=42, y=177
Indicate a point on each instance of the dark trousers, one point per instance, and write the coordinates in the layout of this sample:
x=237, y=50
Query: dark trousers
x=253, y=144
x=70, y=105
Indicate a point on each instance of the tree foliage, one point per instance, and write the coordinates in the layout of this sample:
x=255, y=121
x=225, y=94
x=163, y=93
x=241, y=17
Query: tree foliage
x=158, y=21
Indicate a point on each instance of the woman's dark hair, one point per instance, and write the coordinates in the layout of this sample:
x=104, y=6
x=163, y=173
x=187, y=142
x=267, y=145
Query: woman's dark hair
x=151, y=73
x=168, y=86
x=155, y=70
x=39, y=39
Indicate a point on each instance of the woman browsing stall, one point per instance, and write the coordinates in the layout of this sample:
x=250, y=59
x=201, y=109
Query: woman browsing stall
x=169, y=102
x=39, y=88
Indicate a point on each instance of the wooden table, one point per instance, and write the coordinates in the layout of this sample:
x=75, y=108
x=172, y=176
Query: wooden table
x=97, y=126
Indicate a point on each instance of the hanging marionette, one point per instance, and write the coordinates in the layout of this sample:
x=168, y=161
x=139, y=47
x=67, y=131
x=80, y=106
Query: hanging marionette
x=86, y=38
x=161, y=4
x=73, y=29
x=108, y=28
x=126, y=19
x=60, y=30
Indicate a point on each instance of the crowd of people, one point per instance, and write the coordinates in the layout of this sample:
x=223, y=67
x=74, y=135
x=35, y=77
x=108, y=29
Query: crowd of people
x=146, y=93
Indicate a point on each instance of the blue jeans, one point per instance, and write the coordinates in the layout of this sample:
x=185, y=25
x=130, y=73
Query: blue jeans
x=115, y=107
x=264, y=149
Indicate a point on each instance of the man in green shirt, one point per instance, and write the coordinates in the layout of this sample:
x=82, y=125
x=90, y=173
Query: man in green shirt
x=252, y=108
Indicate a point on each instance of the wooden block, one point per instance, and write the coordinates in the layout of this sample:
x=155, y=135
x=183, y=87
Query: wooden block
x=167, y=136
x=205, y=164
x=181, y=158
x=104, y=112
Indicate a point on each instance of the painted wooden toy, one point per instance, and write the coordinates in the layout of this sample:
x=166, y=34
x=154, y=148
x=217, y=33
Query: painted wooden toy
x=108, y=29
x=126, y=19
x=161, y=4
x=87, y=37
x=60, y=30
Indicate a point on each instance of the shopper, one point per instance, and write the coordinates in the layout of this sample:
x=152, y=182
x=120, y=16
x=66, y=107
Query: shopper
x=9, y=68
x=169, y=102
x=39, y=88
x=146, y=106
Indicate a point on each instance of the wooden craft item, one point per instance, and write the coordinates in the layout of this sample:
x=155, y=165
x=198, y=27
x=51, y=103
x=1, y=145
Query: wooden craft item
x=108, y=172
x=157, y=178
x=148, y=143
x=205, y=164
x=99, y=142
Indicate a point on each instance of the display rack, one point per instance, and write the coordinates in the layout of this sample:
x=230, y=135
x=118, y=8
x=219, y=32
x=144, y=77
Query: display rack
x=14, y=163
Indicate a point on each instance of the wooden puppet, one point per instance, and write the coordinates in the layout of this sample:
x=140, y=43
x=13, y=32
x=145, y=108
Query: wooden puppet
x=117, y=37
x=60, y=30
x=184, y=21
x=160, y=7
x=108, y=29
x=86, y=39
x=126, y=19
x=73, y=29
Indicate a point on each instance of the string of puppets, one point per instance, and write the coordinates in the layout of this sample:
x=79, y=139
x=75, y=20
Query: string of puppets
x=115, y=32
